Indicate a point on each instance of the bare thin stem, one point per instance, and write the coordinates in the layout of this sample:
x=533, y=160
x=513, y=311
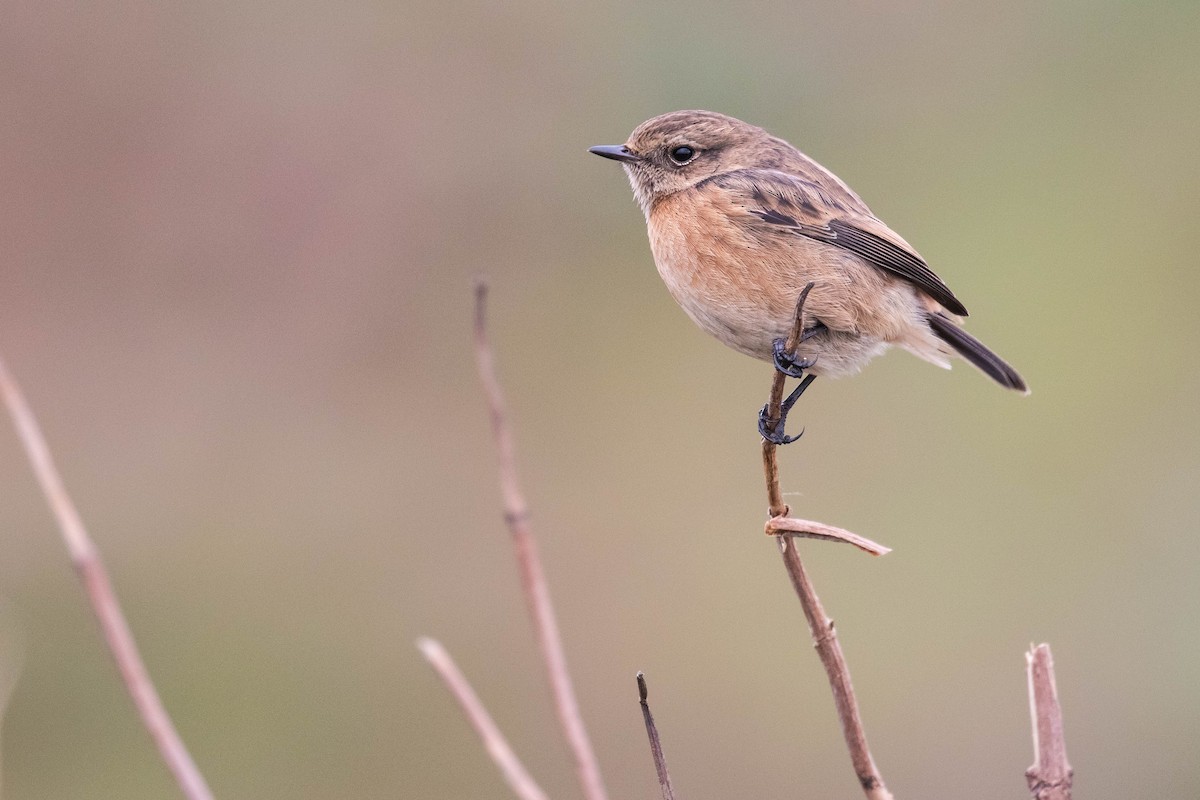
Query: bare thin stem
x=1051, y=776
x=90, y=567
x=533, y=579
x=656, y=751
x=519, y=780
x=821, y=627
x=830, y=652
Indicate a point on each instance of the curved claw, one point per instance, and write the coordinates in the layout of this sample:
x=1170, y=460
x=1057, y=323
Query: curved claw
x=787, y=363
x=774, y=434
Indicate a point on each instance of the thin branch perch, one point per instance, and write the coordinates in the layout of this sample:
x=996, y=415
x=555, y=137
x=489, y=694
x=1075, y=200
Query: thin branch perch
x=98, y=587
x=1051, y=776
x=518, y=778
x=533, y=579
x=820, y=625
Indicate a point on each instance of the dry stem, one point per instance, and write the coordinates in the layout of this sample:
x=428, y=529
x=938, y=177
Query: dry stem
x=533, y=579
x=825, y=638
x=522, y=784
x=88, y=564
x=1051, y=776
x=656, y=751
x=821, y=627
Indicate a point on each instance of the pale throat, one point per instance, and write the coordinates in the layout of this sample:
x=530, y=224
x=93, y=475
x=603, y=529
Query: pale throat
x=641, y=193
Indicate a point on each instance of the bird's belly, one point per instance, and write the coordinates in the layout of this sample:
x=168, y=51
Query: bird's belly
x=733, y=291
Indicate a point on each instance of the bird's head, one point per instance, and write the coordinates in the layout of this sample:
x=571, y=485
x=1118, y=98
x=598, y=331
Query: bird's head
x=675, y=151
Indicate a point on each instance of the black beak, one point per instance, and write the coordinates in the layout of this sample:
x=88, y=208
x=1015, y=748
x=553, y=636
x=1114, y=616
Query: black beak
x=617, y=152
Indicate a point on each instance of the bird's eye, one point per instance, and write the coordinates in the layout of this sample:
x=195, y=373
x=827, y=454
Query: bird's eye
x=682, y=154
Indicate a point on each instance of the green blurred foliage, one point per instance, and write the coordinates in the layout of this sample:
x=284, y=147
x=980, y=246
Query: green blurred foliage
x=239, y=241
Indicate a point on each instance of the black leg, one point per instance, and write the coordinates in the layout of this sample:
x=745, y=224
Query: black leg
x=818, y=327
x=775, y=434
x=787, y=404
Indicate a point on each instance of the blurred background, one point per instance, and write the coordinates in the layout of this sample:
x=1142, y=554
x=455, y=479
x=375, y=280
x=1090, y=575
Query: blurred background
x=239, y=243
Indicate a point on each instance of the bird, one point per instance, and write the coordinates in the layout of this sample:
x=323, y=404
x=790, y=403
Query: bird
x=740, y=221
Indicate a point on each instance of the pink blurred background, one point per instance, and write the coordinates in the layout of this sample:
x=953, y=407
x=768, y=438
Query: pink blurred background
x=239, y=243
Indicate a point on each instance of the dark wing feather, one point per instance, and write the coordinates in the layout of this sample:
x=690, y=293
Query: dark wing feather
x=905, y=263
x=804, y=208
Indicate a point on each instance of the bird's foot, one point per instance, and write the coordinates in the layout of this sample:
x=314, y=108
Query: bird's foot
x=773, y=429
x=786, y=362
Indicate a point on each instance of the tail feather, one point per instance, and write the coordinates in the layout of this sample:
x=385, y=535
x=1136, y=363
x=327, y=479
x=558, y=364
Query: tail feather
x=977, y=353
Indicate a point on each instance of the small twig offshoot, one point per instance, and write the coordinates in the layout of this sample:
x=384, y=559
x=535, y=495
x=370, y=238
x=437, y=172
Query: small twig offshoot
x=518, y=778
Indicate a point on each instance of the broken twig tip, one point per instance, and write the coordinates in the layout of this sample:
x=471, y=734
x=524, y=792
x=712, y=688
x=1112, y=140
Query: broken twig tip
x=1051, y=776
x=643, y=693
